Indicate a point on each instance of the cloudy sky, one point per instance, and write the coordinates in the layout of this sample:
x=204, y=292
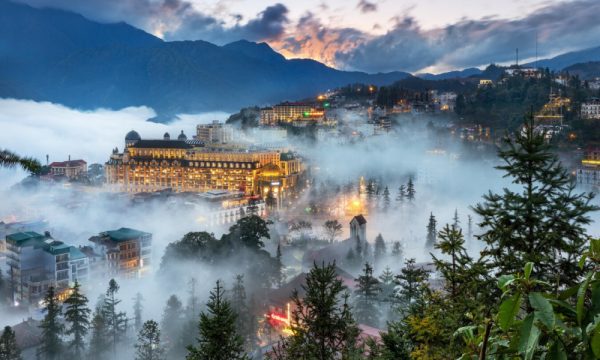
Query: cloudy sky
x=368, y=35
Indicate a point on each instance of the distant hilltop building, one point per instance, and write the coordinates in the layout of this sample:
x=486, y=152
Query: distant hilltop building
x=186, y=166
x=588, y=172
x=215, y=132
x=590, y=110
x=37, y=262
x=70, y=168
x=290, y=112
x=358, y=229
x=124, y=252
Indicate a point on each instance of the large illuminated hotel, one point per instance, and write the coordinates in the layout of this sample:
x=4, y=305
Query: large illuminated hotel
x=191, y=166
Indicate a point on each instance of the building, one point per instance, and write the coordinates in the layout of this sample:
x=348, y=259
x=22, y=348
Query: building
x=215, y=132
x=7, y=228
x=290, y=112
x=446, y=101
x=485, y=83
x=358, y=229
x=155, y=165
x=591, y=109
x=588, y=172
x=124, y=252
x=552, y=113
x=37, y=262
x=70, y=168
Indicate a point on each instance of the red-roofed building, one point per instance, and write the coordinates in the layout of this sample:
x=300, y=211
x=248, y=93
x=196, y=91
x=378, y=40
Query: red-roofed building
x=70, y=168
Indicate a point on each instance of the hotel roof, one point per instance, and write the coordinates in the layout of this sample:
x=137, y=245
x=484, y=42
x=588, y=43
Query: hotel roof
x=124, y=234
x=68, y=163
x=161, y=144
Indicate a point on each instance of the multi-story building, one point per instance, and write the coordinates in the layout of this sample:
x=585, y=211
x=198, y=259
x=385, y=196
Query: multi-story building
x=552, y=114
x=588, y=172
x=215, y=132
x=37, y=262
x=124, y=252
x=70, y=168
x=591, y=109
x=154, y=165
x=289, y=112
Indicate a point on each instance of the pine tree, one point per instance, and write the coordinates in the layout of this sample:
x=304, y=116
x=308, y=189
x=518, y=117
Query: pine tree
x=3, y=290
x=100, y=340
x=397, y=249
x=451, y=243
x=240, y=306
x=386, y=199
x=322, y=324
x=544, y=222
x=137, y=311
x=52, y=329
x=172, y=320
x=367, y=253
x=77, y=316
x=386, y=281
x=380, y=248
x=116, y=321
x=410, y=190
x=192, y=305
x=401, y=193
x=9, y=350
x=469, y=227
x=455, y=220
x=280, y=276
x=218, y=339
x=410, y=280
x=431, y=232
x=148, y=345
x=367, y=291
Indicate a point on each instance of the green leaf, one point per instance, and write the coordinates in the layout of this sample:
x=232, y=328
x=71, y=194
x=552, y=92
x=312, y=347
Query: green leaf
x=528, y=337
x=582, y=260
x=504, y=281
x=528, y=269
x=595, y=343
x=508, y=311
x=557, y=351
x=581, y=297
x=543, y=309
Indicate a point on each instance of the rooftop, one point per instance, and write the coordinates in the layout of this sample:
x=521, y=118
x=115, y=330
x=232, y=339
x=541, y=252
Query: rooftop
x=161, y=144
x=68, y=163
x=124, y=234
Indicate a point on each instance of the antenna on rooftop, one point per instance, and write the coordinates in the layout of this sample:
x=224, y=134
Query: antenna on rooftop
x=517, y=57
x=536, y=49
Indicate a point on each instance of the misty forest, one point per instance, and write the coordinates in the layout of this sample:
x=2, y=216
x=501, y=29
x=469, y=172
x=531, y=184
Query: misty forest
x=174, y=185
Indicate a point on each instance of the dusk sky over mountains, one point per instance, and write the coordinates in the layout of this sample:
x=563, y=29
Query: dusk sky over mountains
x=366, y=35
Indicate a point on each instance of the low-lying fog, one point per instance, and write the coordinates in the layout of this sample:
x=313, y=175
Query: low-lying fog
x=445, y=180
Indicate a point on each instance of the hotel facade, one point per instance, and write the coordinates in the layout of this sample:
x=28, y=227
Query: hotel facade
x=186, y=166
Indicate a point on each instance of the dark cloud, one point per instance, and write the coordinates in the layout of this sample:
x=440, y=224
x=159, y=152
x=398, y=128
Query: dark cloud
x=177, y=19
x=561, y=27
x=366, y=6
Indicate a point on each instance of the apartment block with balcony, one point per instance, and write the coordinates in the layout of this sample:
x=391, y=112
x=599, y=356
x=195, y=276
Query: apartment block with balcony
x=124, y=252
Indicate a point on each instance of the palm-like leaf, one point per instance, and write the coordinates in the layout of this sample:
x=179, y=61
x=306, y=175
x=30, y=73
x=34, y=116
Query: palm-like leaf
x=8, y=159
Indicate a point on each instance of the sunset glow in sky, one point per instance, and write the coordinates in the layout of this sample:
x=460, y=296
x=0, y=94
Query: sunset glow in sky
x=367, y=35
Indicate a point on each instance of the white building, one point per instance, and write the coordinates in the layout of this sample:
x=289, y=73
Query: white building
x=358, y=229
x=591, y=109
x=588, y=172
x=215, y=133
x=37, y=262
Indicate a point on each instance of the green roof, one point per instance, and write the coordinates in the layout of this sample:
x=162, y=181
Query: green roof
x=75, y=253
x=56, y=249
x=124, y=234
x=25, y=238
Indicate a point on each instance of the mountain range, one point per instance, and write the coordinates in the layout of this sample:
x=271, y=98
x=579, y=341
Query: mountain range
x=59, y=56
